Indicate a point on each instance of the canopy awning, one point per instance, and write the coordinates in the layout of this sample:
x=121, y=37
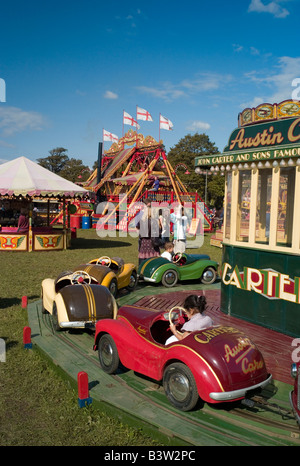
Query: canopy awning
x=23, y=177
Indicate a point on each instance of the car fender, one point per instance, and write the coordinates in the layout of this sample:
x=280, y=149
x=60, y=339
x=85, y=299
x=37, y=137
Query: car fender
x=124, y=277
x=114, y=328
x=205, y=377
x=48, y=294
x=158, y=273
x=62, y=315
x=209, y=263
x=132, y=347
x=108, y=278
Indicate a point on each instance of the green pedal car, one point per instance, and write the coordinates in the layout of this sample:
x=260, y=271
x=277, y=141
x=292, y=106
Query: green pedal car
x=183, y=267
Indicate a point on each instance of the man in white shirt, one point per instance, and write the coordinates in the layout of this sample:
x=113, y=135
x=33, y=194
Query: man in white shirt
x=180, y=226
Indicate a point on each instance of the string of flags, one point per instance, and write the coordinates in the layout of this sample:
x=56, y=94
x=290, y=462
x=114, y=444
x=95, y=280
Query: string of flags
x=141, y=114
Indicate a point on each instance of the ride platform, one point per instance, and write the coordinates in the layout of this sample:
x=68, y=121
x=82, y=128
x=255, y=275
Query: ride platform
x=267, y=419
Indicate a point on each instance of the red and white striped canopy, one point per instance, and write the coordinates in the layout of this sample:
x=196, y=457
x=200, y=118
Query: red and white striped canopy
x=23, y=177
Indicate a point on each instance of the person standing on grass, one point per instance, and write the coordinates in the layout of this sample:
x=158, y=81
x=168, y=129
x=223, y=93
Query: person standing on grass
x=148, y=246
x=180, y=226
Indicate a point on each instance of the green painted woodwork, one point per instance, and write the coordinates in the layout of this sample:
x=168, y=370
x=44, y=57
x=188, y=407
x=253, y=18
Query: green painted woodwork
x=270, y=303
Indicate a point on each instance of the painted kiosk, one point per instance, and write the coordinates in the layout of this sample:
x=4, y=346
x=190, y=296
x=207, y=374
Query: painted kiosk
x=23, y=181
x=261, y=230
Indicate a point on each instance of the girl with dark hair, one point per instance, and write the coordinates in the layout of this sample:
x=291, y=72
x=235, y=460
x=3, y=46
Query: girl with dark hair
x=194, y=308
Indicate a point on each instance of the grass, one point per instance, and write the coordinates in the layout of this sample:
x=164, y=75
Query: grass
x=38, y=407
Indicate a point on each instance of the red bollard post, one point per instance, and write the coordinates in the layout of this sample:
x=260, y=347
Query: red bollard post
x=24, y=302
x=27, y=337
x=83, y=389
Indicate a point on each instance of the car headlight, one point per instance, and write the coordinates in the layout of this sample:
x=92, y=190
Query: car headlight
x=294, y=370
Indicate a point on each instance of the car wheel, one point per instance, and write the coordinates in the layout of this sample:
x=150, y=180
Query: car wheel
x=169, y=278
x=209, y=276
x=133, y=281
x=54, y=317
x=108, y=354
x=180, y=387
x=113, y=287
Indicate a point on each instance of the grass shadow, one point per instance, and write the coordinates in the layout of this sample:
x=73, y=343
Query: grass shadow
x=84, y=243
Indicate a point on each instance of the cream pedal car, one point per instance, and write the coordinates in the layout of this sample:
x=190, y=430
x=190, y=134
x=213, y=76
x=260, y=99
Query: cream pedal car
x=77, y=300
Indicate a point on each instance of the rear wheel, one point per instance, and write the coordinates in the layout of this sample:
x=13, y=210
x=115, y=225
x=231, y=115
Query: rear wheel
x=209, y=276
x=108, y=354
x=180, y=386
x=113, y=287
x=169, y=278
x=55, y=318
x=133, y=281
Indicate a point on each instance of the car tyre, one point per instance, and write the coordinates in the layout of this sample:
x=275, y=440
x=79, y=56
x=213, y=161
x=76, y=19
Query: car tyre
x=132, y=282
x=108, y=354
x=209, y=276
x=169, y=278
x=54, y=315
x=113, y=287
x=180, y=387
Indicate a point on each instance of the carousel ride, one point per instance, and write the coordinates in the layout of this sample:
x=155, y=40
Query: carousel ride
x=128, y=171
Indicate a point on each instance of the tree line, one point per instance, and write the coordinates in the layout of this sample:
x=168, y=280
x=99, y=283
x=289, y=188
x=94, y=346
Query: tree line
x=181, y=156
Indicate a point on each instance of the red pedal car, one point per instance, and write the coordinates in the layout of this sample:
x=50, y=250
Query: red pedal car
x=216, y=364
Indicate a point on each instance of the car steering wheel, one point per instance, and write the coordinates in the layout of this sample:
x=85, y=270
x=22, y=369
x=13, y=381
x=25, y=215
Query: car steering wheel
x=177, y=257
x=180, y=314
x=105, y=259
x=80, y=276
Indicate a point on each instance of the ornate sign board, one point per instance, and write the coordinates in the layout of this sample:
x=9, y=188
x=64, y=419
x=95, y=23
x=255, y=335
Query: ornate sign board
x=266, y=140
x=263, y=112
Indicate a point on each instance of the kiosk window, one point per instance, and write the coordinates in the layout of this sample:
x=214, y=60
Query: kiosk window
x=243, y=206
x=264, y=192
x=285, y=207
x=228, y=204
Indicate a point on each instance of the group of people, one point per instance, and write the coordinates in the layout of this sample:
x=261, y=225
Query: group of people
x=154, y=233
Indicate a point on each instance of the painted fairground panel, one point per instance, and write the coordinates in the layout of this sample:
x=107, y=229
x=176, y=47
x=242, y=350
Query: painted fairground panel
x=13, y=241
x=268, y=295
x=48, y=242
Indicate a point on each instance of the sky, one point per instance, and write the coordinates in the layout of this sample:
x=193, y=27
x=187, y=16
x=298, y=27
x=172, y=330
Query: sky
x=68, y=69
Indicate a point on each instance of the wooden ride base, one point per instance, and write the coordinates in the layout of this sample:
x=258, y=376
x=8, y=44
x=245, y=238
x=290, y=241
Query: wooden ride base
x=141, y=402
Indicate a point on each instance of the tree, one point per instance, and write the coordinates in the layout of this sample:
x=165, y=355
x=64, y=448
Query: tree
x=56, y=161
x=75, y=171
x=184, y=153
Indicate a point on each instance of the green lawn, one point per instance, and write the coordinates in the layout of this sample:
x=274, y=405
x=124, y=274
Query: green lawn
x=38, y=406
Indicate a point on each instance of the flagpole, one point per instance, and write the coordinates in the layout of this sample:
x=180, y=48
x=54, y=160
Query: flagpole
x=136, y=138
x=159, y=129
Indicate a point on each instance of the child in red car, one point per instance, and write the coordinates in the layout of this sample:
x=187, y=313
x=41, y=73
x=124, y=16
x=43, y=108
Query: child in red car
x=194, y=308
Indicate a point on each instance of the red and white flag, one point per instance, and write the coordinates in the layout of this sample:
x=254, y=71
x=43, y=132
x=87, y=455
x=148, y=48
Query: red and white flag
x=142, y=114
x=107, y=136
x=128, y=120
x=164, y=123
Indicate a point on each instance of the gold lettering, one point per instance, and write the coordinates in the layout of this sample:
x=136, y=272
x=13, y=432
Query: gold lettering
x=291, y=136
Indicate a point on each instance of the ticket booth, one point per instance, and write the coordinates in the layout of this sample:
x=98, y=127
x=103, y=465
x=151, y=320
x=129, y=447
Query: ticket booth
x=261, y=232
